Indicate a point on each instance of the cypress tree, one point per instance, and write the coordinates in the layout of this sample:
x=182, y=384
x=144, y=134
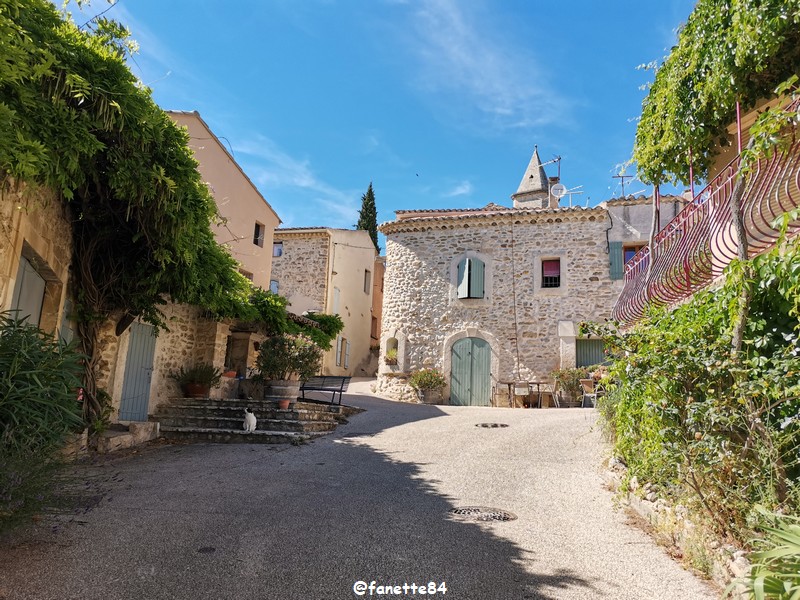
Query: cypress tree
x=368, y=216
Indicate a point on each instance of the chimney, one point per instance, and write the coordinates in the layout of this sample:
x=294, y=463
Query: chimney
x=551, y=181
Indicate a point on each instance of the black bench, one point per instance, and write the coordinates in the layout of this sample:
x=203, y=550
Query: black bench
x=326, y=383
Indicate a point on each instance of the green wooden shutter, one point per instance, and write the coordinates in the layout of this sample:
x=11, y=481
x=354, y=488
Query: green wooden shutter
x=590, y=352
x=476, y=278
x=617, y=260
x=463, y=278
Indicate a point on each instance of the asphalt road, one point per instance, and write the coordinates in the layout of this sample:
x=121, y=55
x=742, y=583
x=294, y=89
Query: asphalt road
x=370, y=502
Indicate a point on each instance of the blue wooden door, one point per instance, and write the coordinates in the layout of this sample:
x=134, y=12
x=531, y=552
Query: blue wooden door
x=470, y=373
x=138, y=372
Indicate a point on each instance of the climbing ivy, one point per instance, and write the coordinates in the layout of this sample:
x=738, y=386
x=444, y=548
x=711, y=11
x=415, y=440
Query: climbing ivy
x=728, y=51
x=75, y=119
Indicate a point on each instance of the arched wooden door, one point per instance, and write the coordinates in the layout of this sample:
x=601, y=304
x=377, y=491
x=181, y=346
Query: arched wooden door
x=470, y=373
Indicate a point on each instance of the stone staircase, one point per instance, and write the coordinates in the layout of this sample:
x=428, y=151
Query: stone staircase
x=209, y=420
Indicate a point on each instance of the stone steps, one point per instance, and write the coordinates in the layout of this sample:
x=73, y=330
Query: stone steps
x=221, y=421
x=234, y=436
x=236, y=422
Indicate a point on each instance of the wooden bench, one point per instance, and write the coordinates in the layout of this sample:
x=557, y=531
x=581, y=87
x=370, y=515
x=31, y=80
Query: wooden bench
x=326, y=383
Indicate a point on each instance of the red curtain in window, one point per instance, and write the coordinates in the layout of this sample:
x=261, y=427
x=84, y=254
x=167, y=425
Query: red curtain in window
x=551, y=268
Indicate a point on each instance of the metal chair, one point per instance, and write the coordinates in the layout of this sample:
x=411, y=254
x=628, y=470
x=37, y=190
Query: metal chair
x=589, y=393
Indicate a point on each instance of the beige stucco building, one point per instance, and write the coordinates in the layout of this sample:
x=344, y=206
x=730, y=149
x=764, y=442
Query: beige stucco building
x=330, y=271
x=495, y=295
x=247, y=218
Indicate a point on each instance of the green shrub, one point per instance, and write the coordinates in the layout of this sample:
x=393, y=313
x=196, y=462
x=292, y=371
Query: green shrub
x=718, y=428
x=39, y=384
x=427, y=379
x=201, y=373
x=288, y=356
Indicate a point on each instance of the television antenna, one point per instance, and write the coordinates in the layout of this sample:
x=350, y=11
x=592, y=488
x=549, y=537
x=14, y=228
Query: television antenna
x=622, y=178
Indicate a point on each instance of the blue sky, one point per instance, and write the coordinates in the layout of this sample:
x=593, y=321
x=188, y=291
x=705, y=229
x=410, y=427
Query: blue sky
x=437, y=102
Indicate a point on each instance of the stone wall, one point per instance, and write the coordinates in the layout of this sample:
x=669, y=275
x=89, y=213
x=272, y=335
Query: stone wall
x=517, y=315
x=34, y=223
x=302, y=270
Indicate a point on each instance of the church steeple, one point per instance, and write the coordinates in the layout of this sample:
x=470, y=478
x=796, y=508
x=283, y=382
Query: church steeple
x=533, y=191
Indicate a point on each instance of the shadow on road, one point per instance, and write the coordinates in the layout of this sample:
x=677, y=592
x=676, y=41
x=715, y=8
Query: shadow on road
x=306, y=522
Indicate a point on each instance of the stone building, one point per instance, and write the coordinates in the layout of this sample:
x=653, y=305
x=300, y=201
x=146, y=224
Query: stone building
x=331, y=271
x=495, y=295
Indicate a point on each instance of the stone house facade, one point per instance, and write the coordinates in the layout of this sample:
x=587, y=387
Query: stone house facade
x=495, y=295
x=330, y=271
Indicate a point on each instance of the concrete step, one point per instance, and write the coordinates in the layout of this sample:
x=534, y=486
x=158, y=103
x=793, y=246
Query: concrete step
x=233, y=436
x=236, y=422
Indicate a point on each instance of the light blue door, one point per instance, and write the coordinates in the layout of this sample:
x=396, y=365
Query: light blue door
x=470, y=373
x=138, y=372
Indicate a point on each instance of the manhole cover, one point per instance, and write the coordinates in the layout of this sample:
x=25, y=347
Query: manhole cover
x=491, y=425
x=481, y=513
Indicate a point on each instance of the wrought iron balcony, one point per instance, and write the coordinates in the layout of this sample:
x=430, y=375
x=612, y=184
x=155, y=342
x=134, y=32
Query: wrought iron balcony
x=693, y=249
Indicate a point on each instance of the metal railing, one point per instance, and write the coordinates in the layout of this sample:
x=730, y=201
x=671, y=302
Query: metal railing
x=694, y=248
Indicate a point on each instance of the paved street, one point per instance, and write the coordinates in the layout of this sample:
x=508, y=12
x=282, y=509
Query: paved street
x=370, y=502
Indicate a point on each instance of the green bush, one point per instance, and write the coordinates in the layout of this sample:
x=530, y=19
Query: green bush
x=288, y=356
x=427, y=379
x=39, y=386
x=201, y=373
x=718, y=428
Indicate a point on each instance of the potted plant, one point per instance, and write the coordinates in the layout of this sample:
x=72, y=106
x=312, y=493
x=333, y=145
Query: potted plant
x=197, y=381
x=284, y=361
x=390, y=358
x=569, y=384
x=428, y=383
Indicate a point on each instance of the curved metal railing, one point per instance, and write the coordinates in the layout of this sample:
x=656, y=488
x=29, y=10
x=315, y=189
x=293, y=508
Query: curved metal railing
x=694, y=248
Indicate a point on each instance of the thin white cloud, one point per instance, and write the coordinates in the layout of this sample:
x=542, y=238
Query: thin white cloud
x=281, y=175
x=461, y=58
x=462, y=189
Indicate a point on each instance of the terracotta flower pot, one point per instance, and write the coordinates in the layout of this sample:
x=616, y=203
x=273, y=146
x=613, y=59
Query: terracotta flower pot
x=196, y=390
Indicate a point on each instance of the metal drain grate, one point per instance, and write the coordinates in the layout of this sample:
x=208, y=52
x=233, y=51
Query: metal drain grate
x=491, y=425
x=482, y=513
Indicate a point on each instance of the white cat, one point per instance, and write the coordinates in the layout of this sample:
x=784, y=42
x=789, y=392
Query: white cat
x=249, y=421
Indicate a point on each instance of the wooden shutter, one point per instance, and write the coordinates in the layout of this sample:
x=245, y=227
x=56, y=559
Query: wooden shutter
x=463, y=278
x=339, y=351
x=616, y=259
x=347, y=355
x=476, y=275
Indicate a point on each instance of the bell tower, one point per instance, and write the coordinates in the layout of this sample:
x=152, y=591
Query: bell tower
x=533, y=191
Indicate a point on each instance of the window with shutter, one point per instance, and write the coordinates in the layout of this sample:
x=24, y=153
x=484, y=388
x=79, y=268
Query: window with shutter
x=470, y=281
x=347, y=355
x=339, y=351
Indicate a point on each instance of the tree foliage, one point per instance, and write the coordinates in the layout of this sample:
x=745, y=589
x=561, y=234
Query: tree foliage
x=368, y=216
x=728, y=51
x=75, y=119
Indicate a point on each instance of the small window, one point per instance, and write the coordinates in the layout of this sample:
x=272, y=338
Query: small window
x=258, y=234
x=367, y=281
x=373, y=331
x=273, y=286
x=470, y=278
x=277, y=248
x=246, y=274
x=551, y=273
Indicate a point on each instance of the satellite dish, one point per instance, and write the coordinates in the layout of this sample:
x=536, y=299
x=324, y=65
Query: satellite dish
x=558, y=190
